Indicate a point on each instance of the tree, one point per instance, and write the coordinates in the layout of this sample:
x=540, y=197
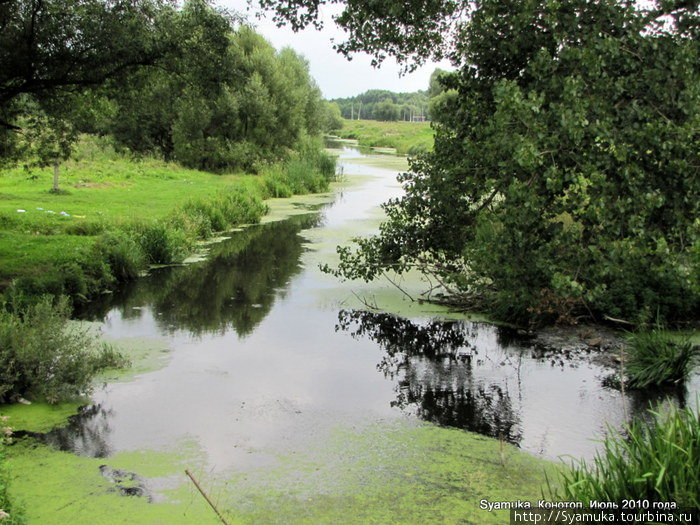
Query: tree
x=566, y=172
x=435, y=87
x=227, y=100
x=332, y=120
x=51, y=50
x=50, y=140
x=386, y=110
x=51, y=46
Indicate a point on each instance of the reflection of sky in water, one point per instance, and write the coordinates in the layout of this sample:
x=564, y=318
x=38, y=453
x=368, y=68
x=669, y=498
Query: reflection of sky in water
x=258, y=368
x=358, y=203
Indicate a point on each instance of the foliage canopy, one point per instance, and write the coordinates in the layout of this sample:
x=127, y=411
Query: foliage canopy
x=565, y=177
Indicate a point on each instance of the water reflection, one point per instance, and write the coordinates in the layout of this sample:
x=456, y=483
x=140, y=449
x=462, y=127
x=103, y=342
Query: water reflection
x=483, y=378
x=234, y=288
x=433, y=365
x=87, y=433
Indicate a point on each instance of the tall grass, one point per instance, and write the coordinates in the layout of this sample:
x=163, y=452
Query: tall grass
x=160, y=243
x=122, y=253
x=655, y=461
x=656, y=358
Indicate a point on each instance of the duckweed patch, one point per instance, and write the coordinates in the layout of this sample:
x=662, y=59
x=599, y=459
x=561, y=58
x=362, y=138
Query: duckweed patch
x=61, y=488
x=389, y=473
x=40, y=416
x=144, y=353
x=399, y=472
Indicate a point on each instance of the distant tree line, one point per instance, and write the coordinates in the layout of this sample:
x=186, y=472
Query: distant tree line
x=380, y=104
x=192, y=84
x=388, y=106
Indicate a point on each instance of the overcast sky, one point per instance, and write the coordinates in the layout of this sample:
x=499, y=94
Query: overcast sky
x=335, y=75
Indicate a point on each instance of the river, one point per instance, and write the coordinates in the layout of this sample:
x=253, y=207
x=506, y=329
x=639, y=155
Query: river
x=262, y=357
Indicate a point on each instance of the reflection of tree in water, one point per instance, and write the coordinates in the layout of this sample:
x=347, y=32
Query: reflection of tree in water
x=86, y=433
x=235, y=287
x=433, y=366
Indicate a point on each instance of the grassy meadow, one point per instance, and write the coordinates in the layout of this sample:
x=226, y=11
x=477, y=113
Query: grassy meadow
x=404, y=137
x=114, y=215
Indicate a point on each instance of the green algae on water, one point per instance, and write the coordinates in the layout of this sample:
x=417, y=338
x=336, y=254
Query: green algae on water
x=61, y=488
x=145, y=354
x=398, y=472
x=387, y=472
x=40, y=416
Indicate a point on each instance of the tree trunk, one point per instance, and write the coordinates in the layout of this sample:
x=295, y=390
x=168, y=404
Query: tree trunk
x=56, y=165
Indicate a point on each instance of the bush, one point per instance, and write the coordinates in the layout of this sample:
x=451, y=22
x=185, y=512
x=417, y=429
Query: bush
x=77, y=279
x=657, y=461
x=655, y=358
x=42, y=356
x=160, y=243
x=122, y=254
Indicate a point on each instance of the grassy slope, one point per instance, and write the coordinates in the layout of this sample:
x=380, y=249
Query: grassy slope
x=102, y=191
x=405, y=137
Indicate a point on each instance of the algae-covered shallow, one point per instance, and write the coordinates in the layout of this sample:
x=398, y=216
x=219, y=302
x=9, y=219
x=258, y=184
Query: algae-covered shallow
x=386, y=472
x=297, y=398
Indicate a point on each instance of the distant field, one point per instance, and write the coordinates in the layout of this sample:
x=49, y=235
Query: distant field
x=405, y=137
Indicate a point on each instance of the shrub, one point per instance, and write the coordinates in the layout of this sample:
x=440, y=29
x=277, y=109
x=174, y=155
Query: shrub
x=160, y=243
x=41, y=355
x=657, y=461
x=655, y=358
x=122, y=254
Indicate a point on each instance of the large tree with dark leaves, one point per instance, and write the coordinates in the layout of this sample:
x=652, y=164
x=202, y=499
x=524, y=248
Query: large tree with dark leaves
x=565, y=178
x=50, y=48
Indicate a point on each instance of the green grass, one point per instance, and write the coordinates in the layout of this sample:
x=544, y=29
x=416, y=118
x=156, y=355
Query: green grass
x=656, y=357
x=655, y=461
x=151, y=212
x=404, y=137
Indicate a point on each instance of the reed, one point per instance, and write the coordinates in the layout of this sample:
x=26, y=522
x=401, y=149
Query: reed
x=656, y=460
x=655, y=358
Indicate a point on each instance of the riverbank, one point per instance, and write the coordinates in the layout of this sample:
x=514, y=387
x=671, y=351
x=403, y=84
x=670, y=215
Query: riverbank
x=404, y=137
x=114, y=216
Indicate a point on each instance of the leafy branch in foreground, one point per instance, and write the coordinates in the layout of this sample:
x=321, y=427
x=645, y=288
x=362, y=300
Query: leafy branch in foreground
x=566, y=168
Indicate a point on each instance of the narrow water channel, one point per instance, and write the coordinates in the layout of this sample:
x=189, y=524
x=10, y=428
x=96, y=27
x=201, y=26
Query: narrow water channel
x=263, y=354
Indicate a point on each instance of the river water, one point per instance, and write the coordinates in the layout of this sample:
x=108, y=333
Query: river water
x=262, y=353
